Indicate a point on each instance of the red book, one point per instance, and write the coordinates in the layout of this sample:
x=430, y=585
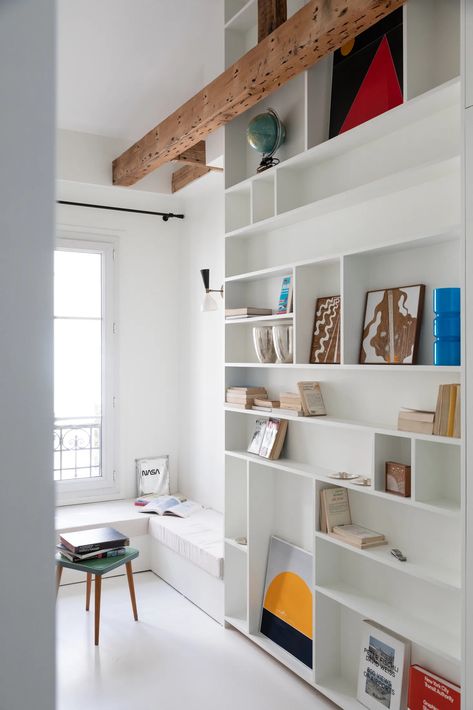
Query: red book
x=428, y=691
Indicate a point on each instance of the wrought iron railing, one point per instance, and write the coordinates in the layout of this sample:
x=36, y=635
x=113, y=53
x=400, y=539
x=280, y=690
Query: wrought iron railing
x=77, y=448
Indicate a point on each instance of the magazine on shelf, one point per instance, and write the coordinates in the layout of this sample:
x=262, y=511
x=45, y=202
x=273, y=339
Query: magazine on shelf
x=285, y=297
x=383, y=671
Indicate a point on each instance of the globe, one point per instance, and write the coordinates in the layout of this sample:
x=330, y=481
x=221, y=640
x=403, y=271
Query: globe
x=265, y=134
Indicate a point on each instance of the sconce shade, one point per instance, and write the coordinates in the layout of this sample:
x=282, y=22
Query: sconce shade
x=208, y=304
x=205, y=273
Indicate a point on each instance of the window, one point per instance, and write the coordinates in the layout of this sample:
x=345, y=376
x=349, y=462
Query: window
x=83, y=368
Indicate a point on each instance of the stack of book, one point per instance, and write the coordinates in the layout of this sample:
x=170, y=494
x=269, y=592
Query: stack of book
x=291, y=403
x=99, y=543
x=266, y=405
x=448, y=412
x=268, y=438
x=244, y=397
x=335, y=519
x=418, y=421
x=237, y=313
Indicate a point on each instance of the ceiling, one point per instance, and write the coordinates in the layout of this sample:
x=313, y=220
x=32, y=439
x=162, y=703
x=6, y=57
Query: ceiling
x=124, y=65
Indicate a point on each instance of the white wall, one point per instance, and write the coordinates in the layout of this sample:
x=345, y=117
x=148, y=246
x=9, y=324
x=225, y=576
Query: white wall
x=201, y=376
x=26, y=231
x=147, y=310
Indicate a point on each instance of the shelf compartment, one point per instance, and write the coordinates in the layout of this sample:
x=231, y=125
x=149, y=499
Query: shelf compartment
x=264, y=197
x=236, y=585
x=437, y=474
x=238, y=209
x=338, y=644
x=435, y=264
x=289, y=104
x=320, y=473
x=312, y=281
x=390, y=448
x=273, y=497
x=432, y=556
x=408, y=606
x=236, y=498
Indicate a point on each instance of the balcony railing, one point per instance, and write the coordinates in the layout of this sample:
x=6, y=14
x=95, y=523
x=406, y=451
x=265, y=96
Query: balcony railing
x=77, y=448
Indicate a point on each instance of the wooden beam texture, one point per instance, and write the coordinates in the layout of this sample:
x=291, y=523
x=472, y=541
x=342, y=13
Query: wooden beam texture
x=271, y=14
x=195, y=155
x=312, y=33
x=187, y=174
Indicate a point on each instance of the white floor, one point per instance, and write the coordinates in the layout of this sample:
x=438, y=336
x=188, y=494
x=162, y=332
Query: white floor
x=175, y=657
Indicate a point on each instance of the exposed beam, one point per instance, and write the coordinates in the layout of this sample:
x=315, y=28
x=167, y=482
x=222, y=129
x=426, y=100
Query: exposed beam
x=195, y=155
x=271, y=14
x=188, y=174
x=312, y=33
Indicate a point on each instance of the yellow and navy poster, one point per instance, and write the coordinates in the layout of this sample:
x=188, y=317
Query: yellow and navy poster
x=287, y=600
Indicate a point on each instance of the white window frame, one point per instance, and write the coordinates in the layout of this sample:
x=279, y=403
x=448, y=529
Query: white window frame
x=105, y=487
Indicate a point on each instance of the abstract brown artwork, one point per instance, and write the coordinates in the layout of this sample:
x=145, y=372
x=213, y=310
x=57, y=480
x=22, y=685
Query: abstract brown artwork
x=325, y=346
x=391, y=325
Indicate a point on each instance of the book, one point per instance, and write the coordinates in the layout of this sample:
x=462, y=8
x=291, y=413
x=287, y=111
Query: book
x=236, y=405
x=268, y=438
x=254, y=446
x=247, y=312
x=416, y=420
x=334, y=508
x=427, y=690
x=311, y=399
x=102, y=554
x=268, y=403
x=94, y=540
x=273, y=440
x=285, y=297
x=357, y=536
x=290, y=412
x=383, y=669
x=398, y=479
x=162, y=505
x=248, y=390
x=447, y=411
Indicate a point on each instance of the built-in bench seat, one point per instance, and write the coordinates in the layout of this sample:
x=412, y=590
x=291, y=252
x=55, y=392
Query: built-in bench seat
x=186, y=553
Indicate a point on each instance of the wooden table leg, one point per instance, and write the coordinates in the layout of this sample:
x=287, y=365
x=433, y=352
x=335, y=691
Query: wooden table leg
x=88, y=590
x=98, y=589
x=58, y=577
x=131, y=587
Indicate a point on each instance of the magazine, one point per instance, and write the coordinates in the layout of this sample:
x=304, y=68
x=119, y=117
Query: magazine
x=174, y=505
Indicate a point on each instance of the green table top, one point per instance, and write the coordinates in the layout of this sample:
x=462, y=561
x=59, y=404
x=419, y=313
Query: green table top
x=102, y=566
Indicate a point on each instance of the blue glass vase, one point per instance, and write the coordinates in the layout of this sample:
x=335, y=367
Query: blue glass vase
x=446, y=302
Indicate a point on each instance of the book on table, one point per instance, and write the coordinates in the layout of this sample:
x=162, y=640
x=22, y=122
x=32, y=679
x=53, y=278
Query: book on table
x=94, y=540
x=86, y=556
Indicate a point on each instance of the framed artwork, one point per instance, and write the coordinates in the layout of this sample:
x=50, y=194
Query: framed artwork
x=391, y=325
x=367, y=75
x=287, y=600
x=325, y=346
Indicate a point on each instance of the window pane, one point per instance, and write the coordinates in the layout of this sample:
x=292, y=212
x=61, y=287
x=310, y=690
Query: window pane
x=77, y=368
x=77, y=284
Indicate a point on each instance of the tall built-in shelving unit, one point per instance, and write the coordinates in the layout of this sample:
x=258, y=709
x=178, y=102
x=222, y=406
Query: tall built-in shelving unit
x=375, y=207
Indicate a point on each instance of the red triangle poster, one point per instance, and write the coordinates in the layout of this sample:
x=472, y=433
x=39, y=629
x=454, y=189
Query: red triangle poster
x=379, y=90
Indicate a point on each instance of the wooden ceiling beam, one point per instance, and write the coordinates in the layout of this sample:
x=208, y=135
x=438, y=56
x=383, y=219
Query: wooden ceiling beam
x=271, y=14
x=316, y=30
x=184, y=176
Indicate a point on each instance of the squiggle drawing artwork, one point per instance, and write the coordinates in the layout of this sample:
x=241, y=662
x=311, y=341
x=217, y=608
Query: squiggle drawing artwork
x=326, y=335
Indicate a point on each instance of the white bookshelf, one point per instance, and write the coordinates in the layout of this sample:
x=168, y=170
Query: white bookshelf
x=374, y=207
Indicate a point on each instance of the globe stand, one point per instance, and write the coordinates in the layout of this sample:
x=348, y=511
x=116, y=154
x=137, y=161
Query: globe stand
x=268, y=162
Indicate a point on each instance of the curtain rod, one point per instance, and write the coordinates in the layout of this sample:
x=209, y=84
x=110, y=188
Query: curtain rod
x=165, y=215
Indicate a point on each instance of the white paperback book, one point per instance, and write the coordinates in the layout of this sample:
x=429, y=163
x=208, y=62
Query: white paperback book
x=384, y=668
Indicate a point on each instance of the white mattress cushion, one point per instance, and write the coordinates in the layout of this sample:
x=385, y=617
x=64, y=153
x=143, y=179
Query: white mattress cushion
x=198, y=538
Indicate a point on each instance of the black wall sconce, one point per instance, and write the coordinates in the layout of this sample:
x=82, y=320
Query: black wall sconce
x=209, y=304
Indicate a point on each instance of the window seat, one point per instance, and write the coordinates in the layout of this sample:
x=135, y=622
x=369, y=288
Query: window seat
x=186, y=553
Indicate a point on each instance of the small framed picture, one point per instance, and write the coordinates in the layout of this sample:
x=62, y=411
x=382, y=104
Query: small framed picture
x=398, y=479
x=391, y=325
x=325, y=347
